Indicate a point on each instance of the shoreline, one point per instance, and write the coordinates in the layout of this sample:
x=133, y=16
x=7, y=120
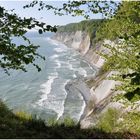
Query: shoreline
x=97, y=96
x=78, y=83
x=93, y=97
x=79, y=86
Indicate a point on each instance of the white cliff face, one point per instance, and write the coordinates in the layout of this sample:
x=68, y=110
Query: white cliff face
x=103, y=89
x=81, y=42
x=78, y=40
x=98, y=96
x=94, y=58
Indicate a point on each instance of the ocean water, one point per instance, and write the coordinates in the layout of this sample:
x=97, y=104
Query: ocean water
x=43, y=93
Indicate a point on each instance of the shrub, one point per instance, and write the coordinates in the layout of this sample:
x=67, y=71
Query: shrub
x=23, y=115
x=108, y=120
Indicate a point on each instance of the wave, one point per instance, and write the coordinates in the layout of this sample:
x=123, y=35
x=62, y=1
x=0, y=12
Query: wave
x=58, y=64
x=54, y=56
x=82, y=71
x=74, y=76
x=62, y=47
x=60, y=112
x=70, y=67
x=59, y=50
x=82, y=108
x=46, y=89
x=54, y=102
x=53, y=42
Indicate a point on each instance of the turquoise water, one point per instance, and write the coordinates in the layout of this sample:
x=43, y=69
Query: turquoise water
x=43, y=93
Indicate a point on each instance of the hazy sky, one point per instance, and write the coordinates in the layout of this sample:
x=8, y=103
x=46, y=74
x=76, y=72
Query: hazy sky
x=45, y=16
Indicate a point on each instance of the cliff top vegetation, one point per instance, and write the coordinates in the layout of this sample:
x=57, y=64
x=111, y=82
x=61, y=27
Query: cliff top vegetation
x=85, y=25
x=89, y=26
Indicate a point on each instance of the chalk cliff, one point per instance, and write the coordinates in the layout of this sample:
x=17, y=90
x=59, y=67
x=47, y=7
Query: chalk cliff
x=80, y=41
x=101, y=88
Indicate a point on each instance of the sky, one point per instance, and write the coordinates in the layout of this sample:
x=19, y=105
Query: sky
x=46, y=16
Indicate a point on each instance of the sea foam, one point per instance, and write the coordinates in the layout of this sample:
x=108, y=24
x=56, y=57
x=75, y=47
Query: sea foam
x=46, y=89
x=59, y=50
x=54, y=56
x=56, y=103
x=82, y=108
x=53, y=42
x=58, y=64
x=82, y=71
x=61, y=111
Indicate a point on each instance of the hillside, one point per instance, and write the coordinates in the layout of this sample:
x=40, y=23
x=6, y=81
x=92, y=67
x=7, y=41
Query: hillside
x=21, y=125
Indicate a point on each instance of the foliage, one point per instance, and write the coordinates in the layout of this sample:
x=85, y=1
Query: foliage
x=15, y=126
x=14, y=56
x=82, y=26
x=131, y=122
x=68, y=122
x=79, y=8
x=124, y=57
x=114, y=120
x=108, y=120
x=23, y=115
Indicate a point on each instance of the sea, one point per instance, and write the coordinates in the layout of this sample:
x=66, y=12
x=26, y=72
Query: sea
x=43, y=94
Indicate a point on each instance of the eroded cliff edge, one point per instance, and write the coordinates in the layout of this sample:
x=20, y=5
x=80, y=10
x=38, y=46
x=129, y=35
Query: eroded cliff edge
x=81, y=41
x=98, y=89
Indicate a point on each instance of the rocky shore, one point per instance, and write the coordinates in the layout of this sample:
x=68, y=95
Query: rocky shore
x=95, y=102
x=98, y=93
x=78, y=86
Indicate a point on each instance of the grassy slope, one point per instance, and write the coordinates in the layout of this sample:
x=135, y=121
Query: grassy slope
x=21, y=125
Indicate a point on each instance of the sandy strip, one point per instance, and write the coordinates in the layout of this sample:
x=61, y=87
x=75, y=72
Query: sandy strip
x=78, y=86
